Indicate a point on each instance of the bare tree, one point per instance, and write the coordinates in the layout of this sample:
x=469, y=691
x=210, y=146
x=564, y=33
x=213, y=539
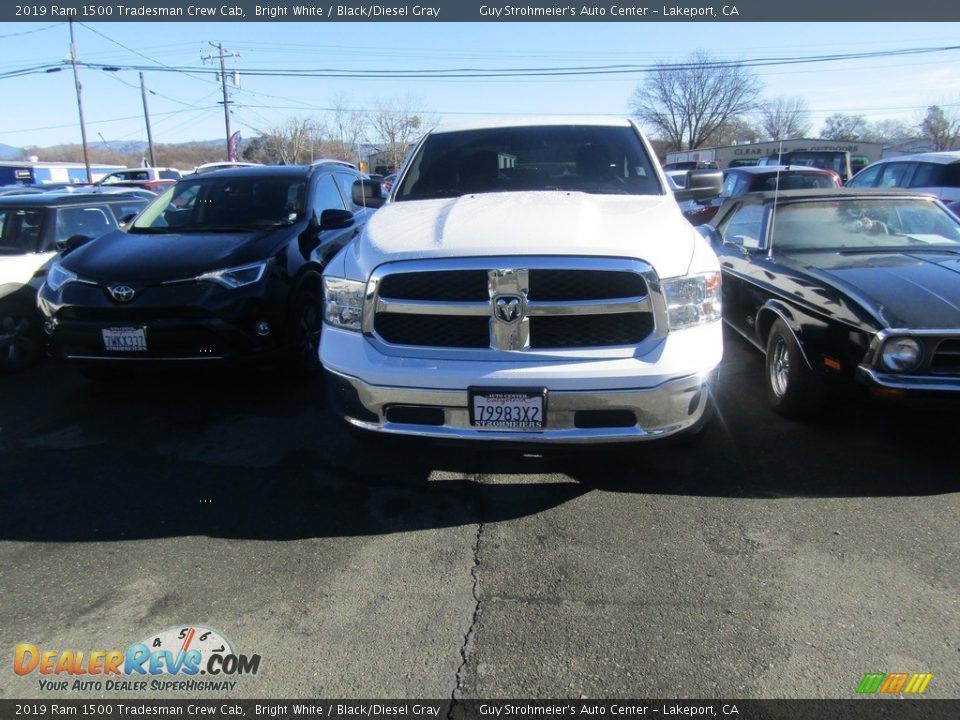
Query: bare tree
x=784, y=118
x=941, y=128
x=394, y=125
x=689, y=102
x=737, y=131
x=846, y=127
x=892, y=131
x=298, y=140
x=345, y=129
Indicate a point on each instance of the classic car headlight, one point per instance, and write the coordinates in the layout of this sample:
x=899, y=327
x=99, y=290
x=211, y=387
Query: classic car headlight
x=692, y=299
x=236, y=276
x=58, y=276
x=343, y=302
x=900, y=354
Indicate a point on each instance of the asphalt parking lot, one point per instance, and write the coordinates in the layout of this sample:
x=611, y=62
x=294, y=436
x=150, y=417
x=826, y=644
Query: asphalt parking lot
x=771, y=560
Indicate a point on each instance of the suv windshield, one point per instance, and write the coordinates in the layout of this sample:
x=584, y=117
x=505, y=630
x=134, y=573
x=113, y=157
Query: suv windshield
x=582, y=158
x=237, y=203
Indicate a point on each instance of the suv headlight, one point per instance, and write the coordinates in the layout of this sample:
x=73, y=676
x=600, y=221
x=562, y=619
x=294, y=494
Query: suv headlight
x=900, y=354
x=343, y=303
x=236, y=277
x=692, y=299
x=58, y=276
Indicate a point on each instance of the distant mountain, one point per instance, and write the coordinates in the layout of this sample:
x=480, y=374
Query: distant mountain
x=8, y=152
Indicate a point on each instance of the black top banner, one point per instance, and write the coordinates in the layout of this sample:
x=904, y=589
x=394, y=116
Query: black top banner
x=636, y=11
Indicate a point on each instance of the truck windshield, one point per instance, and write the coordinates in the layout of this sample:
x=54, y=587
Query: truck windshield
x=577, y=158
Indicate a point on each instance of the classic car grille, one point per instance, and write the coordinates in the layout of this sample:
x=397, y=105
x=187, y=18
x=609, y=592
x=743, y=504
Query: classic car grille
x=562, y=307
x=946, y=358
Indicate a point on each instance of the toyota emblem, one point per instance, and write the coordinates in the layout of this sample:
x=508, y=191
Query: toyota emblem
x=122, y=293
x=508, y=308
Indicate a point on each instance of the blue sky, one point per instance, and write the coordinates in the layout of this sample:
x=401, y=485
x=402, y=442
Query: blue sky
x=41, y=110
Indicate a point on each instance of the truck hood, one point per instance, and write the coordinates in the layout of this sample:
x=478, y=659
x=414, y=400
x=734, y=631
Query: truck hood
x=648, y=228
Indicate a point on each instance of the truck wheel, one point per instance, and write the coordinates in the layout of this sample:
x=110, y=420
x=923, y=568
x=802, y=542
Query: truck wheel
x=21, y=341
x=303, y=334
x=793, y=389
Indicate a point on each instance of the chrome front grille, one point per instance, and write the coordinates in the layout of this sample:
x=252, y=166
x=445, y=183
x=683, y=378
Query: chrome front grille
x=513, y=303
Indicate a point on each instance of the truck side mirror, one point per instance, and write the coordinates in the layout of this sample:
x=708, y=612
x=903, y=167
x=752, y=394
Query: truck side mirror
x=701, y=185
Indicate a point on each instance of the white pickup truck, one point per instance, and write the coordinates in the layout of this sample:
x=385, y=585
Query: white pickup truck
x=530, y=281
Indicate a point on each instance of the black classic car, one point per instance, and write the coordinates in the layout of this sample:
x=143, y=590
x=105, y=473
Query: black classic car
x=224, y=266
x=843, y=288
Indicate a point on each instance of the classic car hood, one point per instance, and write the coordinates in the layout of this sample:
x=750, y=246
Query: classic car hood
x=914, y=289
x=648, y=228
x=136, y=257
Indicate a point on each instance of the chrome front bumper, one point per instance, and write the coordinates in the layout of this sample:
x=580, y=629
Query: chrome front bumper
x=661, y=411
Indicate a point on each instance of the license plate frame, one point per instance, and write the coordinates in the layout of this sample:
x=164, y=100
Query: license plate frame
x=124, y=339
x=527, y=405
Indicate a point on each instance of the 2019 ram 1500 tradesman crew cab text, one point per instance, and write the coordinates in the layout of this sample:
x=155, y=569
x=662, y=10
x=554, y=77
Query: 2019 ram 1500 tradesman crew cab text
x=528, y=281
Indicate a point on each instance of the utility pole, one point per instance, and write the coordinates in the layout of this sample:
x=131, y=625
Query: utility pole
x=146, y=117
x=83, y=127
x=221, y=56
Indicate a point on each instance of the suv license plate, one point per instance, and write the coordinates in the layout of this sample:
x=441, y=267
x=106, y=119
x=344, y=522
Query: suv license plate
x=121, y=339
x=519, y=410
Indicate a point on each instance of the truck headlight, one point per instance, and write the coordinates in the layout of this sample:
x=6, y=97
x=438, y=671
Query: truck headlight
x=343, y=302
x=692, y=299
x=900, y=354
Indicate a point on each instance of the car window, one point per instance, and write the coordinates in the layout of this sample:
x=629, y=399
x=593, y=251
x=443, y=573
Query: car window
x=346, y=181
x=208, y=203
x=893, y=175
x=951, y=175
x=734, y=184
x=91, y=222
x=927, y=175
x=572, y=158
x=867, y=177
x=863, y=223
x=744, y=226
x=327, y=196
x=798, y=181
x=20, y=230
x=169, y=175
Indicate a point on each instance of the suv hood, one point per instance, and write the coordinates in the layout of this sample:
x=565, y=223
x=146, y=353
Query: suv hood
x=147, y=257
x=648, y=228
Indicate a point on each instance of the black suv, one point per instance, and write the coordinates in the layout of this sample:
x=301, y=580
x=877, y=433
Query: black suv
x=32, y=228
x=223, y=266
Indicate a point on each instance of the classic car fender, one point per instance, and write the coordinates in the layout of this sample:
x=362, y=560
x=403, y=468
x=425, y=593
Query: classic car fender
x=768, y=314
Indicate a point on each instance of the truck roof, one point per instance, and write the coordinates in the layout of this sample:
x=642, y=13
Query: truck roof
x=533, y=121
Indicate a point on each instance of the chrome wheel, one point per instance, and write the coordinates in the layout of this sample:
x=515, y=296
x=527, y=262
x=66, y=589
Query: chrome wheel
x=779, y=368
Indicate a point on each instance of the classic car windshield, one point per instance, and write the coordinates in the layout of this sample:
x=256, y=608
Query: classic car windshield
x=584, y=158
x=212, y=204
x=863, y=223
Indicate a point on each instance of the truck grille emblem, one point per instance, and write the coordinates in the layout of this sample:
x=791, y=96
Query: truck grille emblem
x=508, y=308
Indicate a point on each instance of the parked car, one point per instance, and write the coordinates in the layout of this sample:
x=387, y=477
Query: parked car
x=937, y=173
x=224, y=266
x=149, y=178
x=741, y=180
x=692, y=165
x=32, y=226
x=837, y=161
x=843, y=288
x=530, y=281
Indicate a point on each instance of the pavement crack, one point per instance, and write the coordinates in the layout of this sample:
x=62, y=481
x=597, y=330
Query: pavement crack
x=468, y=638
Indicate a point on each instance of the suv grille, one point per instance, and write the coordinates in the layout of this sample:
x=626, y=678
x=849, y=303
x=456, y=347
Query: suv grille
x=521, y=308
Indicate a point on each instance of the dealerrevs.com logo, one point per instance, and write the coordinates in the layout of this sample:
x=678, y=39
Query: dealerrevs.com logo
x=189, y=658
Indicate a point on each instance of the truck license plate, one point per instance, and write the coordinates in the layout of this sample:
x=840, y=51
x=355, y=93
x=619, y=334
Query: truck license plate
x=124, y=339
x=521, y=410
